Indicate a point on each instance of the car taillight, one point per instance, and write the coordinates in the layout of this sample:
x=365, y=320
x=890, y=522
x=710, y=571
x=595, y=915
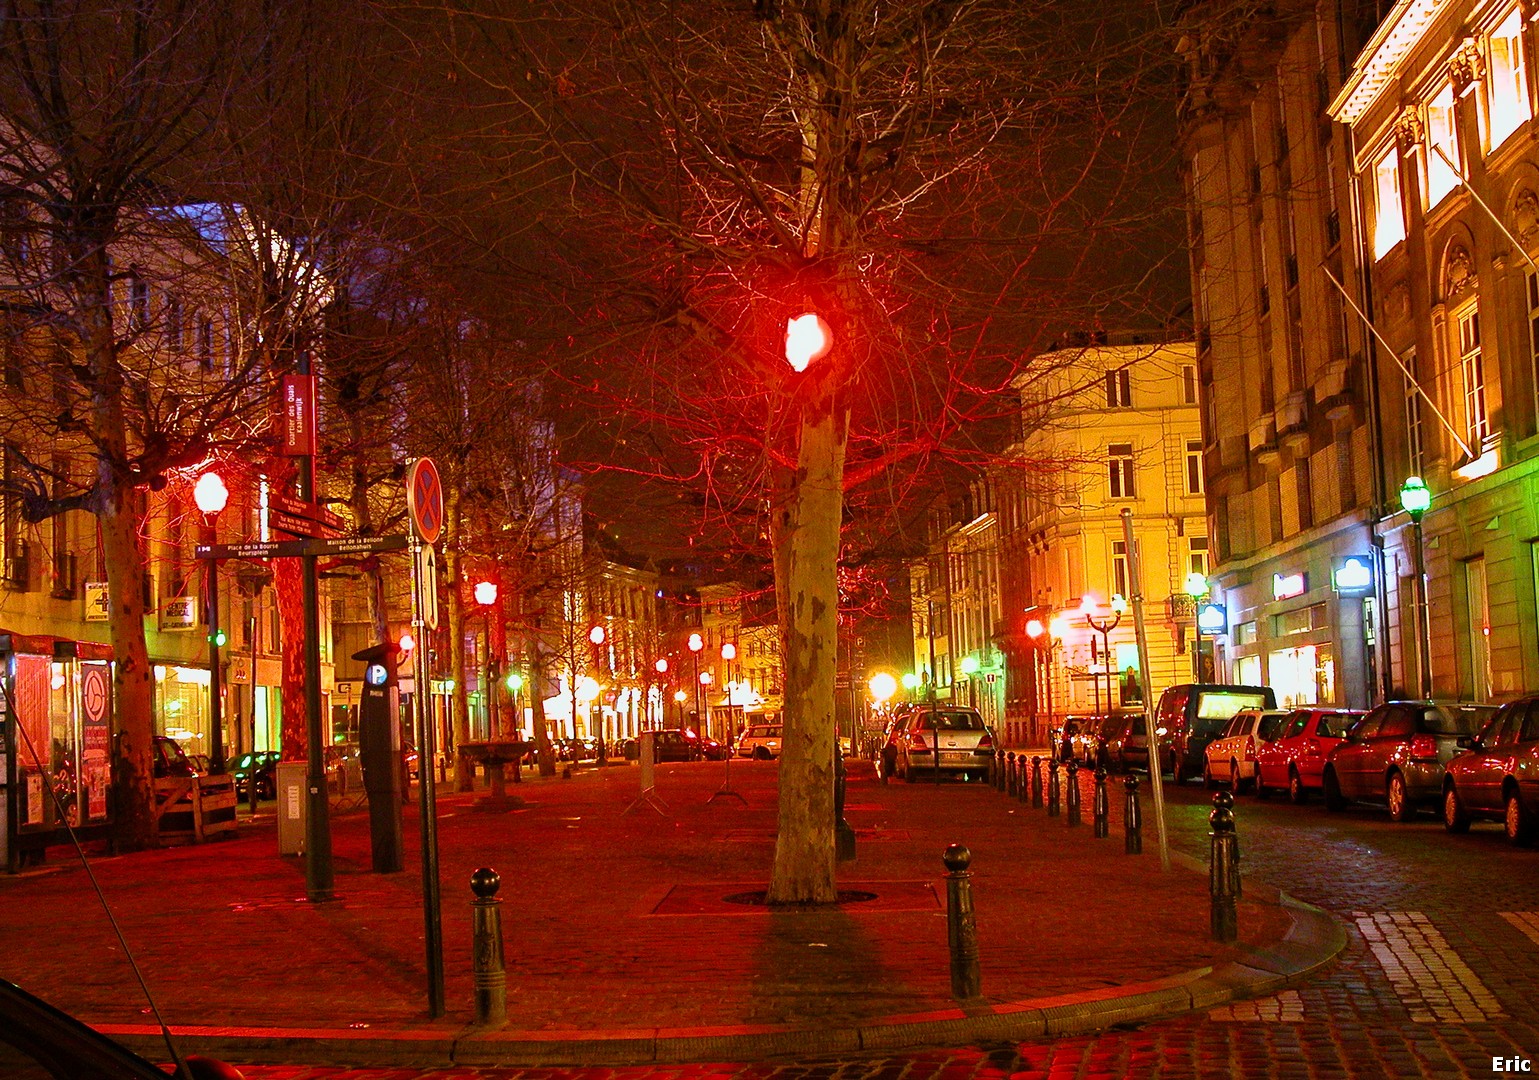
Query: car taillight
x=986, y=743
x=916, y=741
x=1423, y=748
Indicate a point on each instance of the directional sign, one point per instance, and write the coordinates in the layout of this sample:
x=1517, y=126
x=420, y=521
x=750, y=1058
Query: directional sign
x=287, y=504
x=357, y=545
x=298, y=526
x=427, y=584
x=425, y=499
x=279, y=549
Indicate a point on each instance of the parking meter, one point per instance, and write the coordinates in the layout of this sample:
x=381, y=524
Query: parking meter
x=379, y=751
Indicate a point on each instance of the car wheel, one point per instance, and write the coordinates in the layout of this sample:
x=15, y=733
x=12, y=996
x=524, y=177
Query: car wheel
x=1207, y=775
x=1296, y=792
x=1400, y=808
x=761, y=753
x=1519, y=825
x=1455, y=818
x=1335, y=801
x=1236, y=781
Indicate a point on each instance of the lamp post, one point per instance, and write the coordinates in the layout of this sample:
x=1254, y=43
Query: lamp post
x=1197, y=588
x=729, y=654
x=1087, y=607
x=596, y=716
x=680, y=697
x=703, y=687
x=1415, y=499
x=486, y=597
x=696, y=643
x=969, y=667
x=515, y=682
x=662, y=671
x=211, y=497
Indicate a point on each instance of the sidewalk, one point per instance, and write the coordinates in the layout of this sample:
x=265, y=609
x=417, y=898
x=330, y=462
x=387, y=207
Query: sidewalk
x=620, y=943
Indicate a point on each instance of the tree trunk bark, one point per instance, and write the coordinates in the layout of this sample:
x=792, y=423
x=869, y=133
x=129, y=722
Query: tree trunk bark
x=133, y=689
x=809, y=540
x=288, y=587
x=538, y=680
x=464, y=771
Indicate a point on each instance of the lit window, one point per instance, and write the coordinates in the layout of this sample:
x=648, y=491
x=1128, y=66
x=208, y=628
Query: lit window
x=1412, y=417
x=1120, y=568
x=1197, y=555
x=1473, y=368
x=1388, y=221
x=1120, y=461
x=1508, y=83
x=1442, y=142
x=1193, y=467
x=1533, y=333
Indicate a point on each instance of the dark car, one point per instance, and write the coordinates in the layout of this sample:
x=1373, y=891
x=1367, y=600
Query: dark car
x=264, y=763
x=1193, y=714
x=712, y=750
x=1395, y=754
x=1124, y=742
x=674, y=745
x=1296, y=759
x=171, y=759
x=1499, y=778
x=40, y=1042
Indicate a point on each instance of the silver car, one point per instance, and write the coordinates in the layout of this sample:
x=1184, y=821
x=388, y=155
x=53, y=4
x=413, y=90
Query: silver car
x=964, y=741
x=761, y=741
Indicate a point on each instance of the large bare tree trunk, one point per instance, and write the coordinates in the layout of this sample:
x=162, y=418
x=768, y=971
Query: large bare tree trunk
x=464, y=771
x=539, y=662
x=288, y=587
x=133, y=691
x=804, y=845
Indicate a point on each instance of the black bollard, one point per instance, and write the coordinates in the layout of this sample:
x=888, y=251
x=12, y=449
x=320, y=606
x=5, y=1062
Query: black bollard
x=1052, y=787
x=490, y=974
x=1102, y=807
x=1010, y=773
x=999, y=769
x=1022, y=779
x=1223, y=873
x=1132, y=818
x=961, y=927
x=1071, y=796
x=1036, y=783
x=1227, y=802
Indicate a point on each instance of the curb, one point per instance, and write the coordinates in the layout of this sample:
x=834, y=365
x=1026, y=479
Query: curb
x=1313, y=942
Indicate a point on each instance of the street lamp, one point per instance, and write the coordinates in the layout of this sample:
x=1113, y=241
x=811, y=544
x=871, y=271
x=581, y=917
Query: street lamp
x=211, y=497
x=1416, y=499
x=662, y=670
x=515, y=683
x=596, y=710
x=1087, y=608
x=696, y=643
x=486, y=597
x=1197, y=588
x=729, y=654
x=969, y=667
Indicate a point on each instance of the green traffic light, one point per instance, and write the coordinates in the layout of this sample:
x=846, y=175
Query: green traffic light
x=218, y=639
x=515, y=681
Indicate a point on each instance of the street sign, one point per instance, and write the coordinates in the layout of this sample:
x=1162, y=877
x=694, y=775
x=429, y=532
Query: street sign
x=287, y=504
x=299, y=527
x=425, y=499
x=97, y=606
x=279, y=549
x=357, y=545
x=299, y=393
x=427, y=584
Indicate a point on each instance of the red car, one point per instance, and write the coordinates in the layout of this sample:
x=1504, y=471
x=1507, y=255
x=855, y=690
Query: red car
x=1295, y=759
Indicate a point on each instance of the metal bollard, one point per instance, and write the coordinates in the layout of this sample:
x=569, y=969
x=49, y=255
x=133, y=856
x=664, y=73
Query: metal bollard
x=1132, y=818
x=1010, y=773
x=1072, y=794
x=1102, y=806
x=1052, y=787
x=961, y=927
x=1036, y=783
x=491, y=979
x=999, y=770
x=1022, y=780
x=1223, y=871
x=1227, y=802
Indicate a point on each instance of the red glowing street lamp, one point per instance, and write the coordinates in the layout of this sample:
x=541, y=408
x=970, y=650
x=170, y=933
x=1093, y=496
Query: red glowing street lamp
x=696, y=643
x=211, y=497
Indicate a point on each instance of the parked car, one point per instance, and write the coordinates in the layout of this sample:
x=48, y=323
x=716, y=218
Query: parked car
x=1084, y=737
x=1231, y=758
x=1499, y=778
x=1295, y=759
x=264, y=763
x=712, y=750
x=672, y=744
x=761, y=741
x=1193, y=714
x=1125, y=742
x=1064, y=739
x=964, y=741
x=1396, y=754
x=171, y=759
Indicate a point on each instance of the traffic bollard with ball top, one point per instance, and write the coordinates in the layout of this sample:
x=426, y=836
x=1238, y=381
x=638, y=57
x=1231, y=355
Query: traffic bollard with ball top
x=1036, y=782
x=1223, y=870
x=490, y=974
x=961, y=927
x=1052, y=787
x=1071, y=796
x=1132, y=818
x=1102, y=806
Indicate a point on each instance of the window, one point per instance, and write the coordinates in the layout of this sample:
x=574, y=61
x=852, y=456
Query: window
x=1442, y=142
x=1413, y=437
x=1388, y=220
x=138, y=301
x=173, y=320
x=1197, y=555
x=1477, y=421
x=1508, y=83
x=1194, y=466
x=1120, y=469
x=1533, y=337
x=1119, y=389
x=1120, y=567
x=206, y=343
x=1188, y=385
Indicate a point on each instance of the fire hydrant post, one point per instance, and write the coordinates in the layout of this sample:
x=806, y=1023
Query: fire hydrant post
x=961, y=927
x=1036, y=783
x=1071, y=796
x=1052, y=787
x=1132, y=818
x=1102, y=804
x=1223, y=869
x=491, y=979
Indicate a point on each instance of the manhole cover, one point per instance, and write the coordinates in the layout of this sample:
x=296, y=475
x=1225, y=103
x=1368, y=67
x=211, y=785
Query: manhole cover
x=844, y=896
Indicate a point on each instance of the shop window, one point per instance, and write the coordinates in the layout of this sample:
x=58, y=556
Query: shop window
x=1388, y=219
x=1120, y=470
x=1472, y=368
x=1507, y=85
x=1442, y=146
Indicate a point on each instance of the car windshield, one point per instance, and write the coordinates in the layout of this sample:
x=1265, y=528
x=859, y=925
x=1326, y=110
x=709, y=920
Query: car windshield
x=1222, y=704
x=950, y=721
x=1457, y=720
x=764, y=733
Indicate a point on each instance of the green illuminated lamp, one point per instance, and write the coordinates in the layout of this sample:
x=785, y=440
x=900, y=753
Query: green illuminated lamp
x=1119, y=605
x=1196, y=585
x=910, y=681
x=1415, y=497
x=515, y=681
x=970, y=665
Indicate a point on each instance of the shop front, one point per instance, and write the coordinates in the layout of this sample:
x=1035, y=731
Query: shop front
x=58, y=743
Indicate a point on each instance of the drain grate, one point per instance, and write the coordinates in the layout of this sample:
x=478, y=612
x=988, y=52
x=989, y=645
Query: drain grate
x=747, y=898
x=761, y=896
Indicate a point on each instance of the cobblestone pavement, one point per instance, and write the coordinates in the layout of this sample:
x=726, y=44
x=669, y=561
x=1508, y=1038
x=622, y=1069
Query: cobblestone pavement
x=1441, y=976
